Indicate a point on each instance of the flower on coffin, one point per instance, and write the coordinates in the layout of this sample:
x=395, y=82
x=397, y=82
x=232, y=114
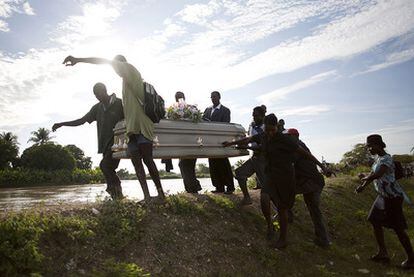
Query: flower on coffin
x=183, y=111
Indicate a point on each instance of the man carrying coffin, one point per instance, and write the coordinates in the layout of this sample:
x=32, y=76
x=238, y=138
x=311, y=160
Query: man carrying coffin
x=220, y=169
x=106, y=113
x=139, y=127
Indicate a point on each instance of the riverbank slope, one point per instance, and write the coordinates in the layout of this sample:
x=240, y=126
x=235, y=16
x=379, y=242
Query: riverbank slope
x=194, y=235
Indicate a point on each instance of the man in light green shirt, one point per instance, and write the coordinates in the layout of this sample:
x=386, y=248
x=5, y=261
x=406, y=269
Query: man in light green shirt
x=139, y=127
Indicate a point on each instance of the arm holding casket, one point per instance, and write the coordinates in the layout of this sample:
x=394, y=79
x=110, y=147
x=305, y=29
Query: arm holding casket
x=240, y=143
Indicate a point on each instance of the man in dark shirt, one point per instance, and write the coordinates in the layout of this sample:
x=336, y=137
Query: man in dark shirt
x=279, y=151
x=310, y=182
x=106, y=113
x=220, y=169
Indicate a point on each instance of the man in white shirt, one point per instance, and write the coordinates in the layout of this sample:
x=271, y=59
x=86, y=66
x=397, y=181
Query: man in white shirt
x=256, y=163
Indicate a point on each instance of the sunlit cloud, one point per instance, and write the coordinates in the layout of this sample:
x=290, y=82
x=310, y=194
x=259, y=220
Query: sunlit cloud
x=218, y=45
x=95, y=21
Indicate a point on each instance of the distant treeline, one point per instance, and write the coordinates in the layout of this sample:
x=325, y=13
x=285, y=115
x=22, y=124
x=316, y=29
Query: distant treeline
x=33, y=177
x=44, y=163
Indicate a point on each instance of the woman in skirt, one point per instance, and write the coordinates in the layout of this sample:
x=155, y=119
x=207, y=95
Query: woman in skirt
x=387, y=208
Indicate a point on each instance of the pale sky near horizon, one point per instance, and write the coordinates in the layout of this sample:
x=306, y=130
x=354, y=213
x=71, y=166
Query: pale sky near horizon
x=336, y=70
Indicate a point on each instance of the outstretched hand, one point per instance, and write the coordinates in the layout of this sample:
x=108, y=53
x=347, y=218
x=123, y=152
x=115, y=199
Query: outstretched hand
x=56, y=126
x=70, y=61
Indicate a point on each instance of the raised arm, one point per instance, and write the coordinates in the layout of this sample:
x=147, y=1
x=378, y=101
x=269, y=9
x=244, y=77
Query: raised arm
x=121, y=68
x=89, y=117
x=71, y=61
x=72, y=123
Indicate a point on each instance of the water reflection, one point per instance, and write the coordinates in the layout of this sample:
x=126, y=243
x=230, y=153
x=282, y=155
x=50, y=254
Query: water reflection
x=22, y=198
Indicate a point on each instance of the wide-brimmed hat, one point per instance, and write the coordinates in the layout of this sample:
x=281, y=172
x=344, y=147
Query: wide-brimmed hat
x=375, y=139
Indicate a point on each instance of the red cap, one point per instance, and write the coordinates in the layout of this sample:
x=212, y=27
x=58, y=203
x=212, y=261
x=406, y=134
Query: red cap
x=292, y=131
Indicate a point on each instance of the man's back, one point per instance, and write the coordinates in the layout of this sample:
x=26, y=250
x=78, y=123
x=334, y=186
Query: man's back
x=133, y=96
x=306, y=169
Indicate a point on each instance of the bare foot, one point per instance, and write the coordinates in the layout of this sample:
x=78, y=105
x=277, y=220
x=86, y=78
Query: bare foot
x=270, y=233
x=280, y=244
x=246, y=201
x=160, y=199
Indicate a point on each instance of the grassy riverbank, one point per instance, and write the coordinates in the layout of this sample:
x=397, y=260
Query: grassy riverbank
x=193, y=235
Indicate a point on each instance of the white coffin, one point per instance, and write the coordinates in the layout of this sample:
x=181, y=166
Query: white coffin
x=184, y=139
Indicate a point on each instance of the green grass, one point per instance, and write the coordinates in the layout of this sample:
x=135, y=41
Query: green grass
x=194, y=235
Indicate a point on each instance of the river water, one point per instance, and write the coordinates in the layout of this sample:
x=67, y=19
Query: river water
x=22, y=198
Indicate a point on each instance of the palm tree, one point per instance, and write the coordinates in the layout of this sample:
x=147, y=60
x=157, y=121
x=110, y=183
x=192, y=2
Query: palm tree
x=9, y=150
x=41, y=136
x=9, y=137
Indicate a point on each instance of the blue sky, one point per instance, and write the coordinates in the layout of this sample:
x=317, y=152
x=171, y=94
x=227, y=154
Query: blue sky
x=336, y=70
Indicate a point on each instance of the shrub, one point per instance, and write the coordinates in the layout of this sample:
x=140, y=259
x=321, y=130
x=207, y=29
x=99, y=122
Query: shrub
x=47, y=157
x=87, y=176
x=19, y=239
x=28, y=177
x=21, y=236
x=119, y=224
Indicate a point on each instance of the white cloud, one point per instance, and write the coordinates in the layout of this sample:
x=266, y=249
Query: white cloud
x=302, y=111
x=4, y=27
x=198, y=13
x=28, y=9
x=226, y=50
x=95, y=21
x=223, y=50
x=281, y=93
x=390, y=60
x=8, y=7
x=342, y=38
